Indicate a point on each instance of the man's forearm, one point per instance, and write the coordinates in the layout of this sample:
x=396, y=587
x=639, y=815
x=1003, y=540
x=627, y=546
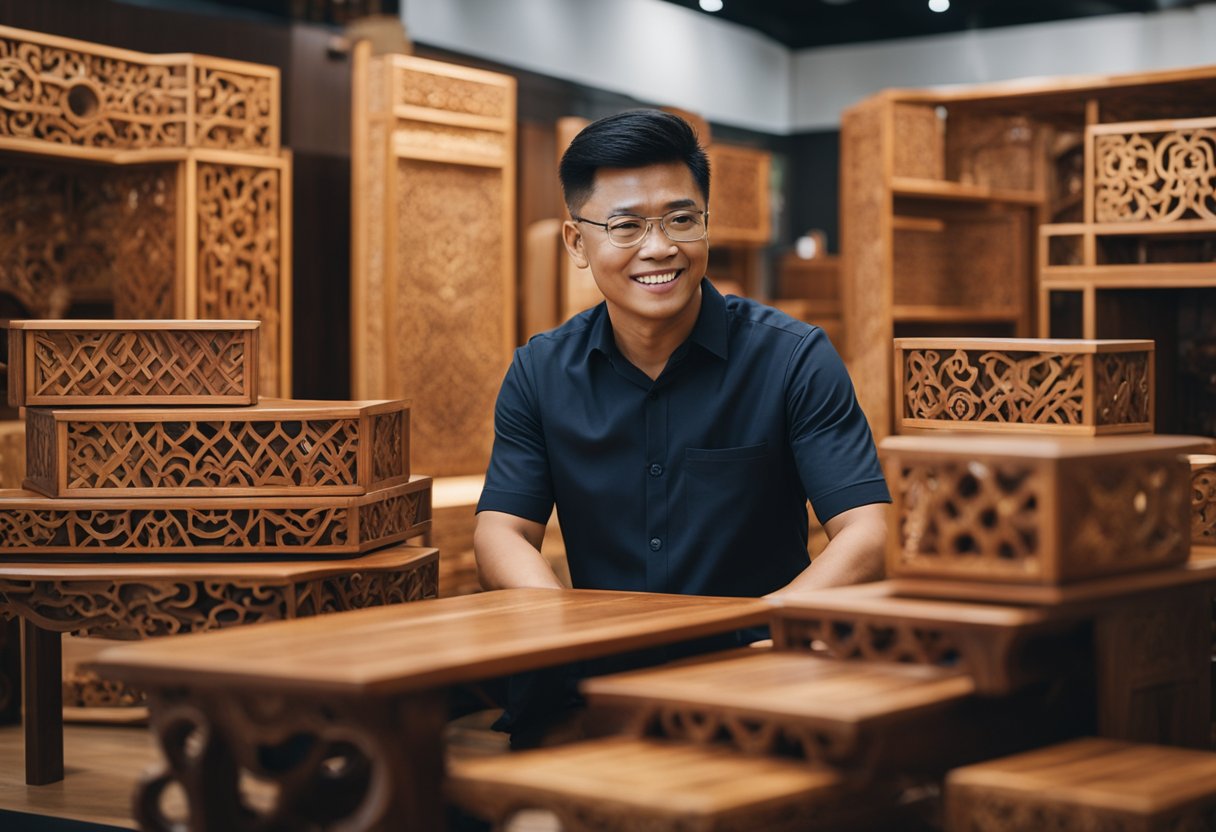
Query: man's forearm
x=854, y=556
x=507, y=559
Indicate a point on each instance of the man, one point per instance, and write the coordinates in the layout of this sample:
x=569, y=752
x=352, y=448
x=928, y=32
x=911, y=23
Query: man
x=679, y=433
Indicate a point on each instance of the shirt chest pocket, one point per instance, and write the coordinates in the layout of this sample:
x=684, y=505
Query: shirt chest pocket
x=728, y=479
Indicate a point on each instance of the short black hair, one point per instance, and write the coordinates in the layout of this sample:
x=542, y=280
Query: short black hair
x=632, y=139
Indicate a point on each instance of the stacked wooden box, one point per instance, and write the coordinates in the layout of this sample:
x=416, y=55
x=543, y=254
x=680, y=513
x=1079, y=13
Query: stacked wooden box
x=1041, y=590
x=147, y=437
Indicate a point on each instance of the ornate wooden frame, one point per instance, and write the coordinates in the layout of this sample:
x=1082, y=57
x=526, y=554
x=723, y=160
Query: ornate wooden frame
x=433, y=248
x=1044, y=511
x=185, y=210
x=246, y=526
x=114, y=363
x=1022, y=384
x=1203, y=505
x=271, y=449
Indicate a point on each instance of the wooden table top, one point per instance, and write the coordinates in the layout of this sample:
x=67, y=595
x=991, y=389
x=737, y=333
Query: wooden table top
x=1102, y=773
x=791, y=686
x=428, y=644
x=383, y=560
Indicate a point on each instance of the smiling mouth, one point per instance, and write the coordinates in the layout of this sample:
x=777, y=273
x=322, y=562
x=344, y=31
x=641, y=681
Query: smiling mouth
x=658, y=279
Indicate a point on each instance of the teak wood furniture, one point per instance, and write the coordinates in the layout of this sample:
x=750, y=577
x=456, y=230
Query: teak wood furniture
x=945, y=194
x=433, y=248
x=151, y=184
x=1203, y=505
x=143, y=599
x=368, y=687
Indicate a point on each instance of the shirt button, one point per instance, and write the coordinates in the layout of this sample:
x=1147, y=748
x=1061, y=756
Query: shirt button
x=652, y=395
x=655, y=544
x=656, y=470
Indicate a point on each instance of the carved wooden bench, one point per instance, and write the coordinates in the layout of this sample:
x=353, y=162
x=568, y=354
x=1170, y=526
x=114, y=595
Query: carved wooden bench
x=1084, y=786
x=135, y=600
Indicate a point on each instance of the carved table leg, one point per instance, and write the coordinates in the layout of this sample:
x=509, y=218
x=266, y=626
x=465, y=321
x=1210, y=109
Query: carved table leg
x=43, y=696
x=10, y=671
x=256, y=761
x=1153, y=657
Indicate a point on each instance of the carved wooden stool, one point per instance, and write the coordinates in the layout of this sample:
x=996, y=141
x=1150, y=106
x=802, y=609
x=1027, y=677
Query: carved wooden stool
x=624, y=784
x=134, y=600
x=1088, y=785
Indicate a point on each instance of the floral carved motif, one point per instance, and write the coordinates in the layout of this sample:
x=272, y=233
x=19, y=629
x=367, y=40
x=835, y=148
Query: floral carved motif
x=388, y=446
x=455, y=95
x=233, y=111
x=240, y=253
x=1203, y=505
x=68, y=96
x=297, y=454
x=106, y=363
x=985, y=515
x=1122, y=389
x=1155, y=177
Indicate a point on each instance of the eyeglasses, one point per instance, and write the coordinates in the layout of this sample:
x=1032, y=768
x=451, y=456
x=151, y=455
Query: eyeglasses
x=680, y=226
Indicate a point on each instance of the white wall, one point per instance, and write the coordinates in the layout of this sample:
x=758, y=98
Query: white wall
x=654, y=51
x=829, y=79
x=662, y=53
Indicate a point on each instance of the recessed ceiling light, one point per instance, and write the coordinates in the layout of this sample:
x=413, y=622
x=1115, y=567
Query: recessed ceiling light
x=711, y=5
x=939, y=5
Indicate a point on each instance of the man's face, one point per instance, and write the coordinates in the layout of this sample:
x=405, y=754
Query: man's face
x=657, y=279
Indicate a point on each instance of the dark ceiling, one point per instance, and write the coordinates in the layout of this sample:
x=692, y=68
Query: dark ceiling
x=803, y=23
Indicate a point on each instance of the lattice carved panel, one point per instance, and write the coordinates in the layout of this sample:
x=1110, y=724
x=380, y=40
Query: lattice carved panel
x=146, y=366
x=133, y=609
x=450, y=301
x=450, y=94
x=133, y=222
x=234, y=110
x=77, y=97
x=982, y=518
x=265, y=452
x=992, y=810
x=920, y=151
x=892, y=641
x=739, y=204
x=492, y=145
x=240, y=254
x=1011, y=388
x=1203, y=504
x=39, y=526
x=84, y=689
x=1155, y=176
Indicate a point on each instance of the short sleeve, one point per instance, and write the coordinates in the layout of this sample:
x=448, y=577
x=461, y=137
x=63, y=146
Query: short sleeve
x=831, y=439
x=518, y=481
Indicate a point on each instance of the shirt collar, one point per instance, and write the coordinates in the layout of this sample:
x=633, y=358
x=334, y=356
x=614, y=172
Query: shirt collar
x=710, y=330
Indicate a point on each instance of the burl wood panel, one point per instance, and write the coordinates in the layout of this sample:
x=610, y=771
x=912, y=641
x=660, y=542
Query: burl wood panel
x=433, y=259
x=1203, y=505
x=1047, y=510
x=142, y=600
x=1017, y=384
x=132, y=362
x=271, y=449
x=1086, y=784
x=33, y=525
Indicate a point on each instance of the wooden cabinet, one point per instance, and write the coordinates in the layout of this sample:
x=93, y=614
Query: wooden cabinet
x=1067, y=207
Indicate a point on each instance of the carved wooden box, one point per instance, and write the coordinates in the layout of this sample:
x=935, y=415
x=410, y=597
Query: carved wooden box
x=1042, y=510
x=1203, y=505
x=33, y=526
x=273, y=448
x=198, y=363
x=1025, y=384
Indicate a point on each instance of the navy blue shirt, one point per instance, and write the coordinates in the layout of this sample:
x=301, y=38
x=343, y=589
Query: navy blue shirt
x=695, y=482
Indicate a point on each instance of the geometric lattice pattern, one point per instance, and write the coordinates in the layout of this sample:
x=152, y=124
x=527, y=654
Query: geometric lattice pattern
x=1156, y=176
x=262, y=451
x=1008, y=387
x=108, y=365
x=299, y=525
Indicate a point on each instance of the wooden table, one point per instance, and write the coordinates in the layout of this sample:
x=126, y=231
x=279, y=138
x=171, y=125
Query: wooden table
x=344, y=715
x=135, y=600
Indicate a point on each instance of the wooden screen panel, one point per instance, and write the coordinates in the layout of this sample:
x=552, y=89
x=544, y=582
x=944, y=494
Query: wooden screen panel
x=739, y=209
x=434, y=255
x=1203, y=505
x=1156, y=172
x=301, y=448
x=35, y=526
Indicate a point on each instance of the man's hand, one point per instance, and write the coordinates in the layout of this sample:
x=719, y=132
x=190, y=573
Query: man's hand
x=853, y=555
x=508, y=552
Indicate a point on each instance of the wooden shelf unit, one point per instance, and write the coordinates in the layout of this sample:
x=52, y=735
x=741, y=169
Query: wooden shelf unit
x=952, y=200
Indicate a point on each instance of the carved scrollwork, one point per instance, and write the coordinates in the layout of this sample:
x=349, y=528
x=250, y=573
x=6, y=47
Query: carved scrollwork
x=388, y=446
x=1203, y=505
x=72, y=96
x=240, y=254
x=1155, y=176
x=389, y=518
x=105, y=363
x=85, y=689
x=233, y=110
x=986, y=516
x=1022, y=387
x=455, y=95
x=857, y=638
